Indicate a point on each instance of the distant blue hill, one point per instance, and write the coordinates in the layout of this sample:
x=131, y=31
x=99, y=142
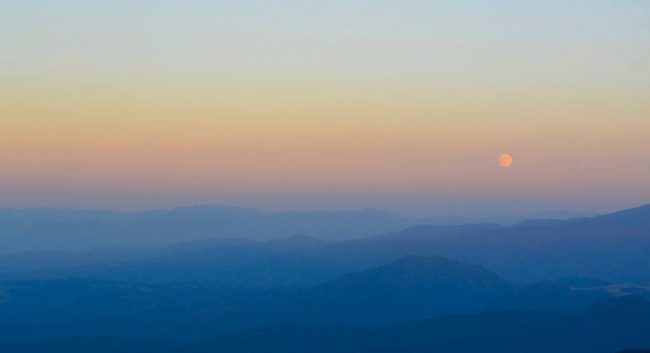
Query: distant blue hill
x=613, y=248
x=45, y=229
x=70, y=230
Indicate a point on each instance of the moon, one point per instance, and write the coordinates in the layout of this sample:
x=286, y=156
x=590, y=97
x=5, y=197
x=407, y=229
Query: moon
x=505, y=160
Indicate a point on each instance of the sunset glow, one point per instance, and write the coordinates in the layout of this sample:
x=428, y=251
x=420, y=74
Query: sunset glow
x=318, y=104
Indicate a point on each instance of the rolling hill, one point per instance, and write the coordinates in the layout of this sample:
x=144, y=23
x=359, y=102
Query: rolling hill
x=604, y=328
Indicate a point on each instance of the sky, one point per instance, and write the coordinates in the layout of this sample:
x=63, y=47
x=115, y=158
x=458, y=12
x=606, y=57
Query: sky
x=395, y=105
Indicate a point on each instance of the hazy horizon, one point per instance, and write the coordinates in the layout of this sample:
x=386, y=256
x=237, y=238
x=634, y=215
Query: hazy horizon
x=402, y=205
x=459, y=217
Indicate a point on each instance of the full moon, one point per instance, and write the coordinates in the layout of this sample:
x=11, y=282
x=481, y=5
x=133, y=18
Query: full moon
x=505, y=160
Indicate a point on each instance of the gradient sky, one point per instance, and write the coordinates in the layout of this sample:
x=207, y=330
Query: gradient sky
x=396, y=105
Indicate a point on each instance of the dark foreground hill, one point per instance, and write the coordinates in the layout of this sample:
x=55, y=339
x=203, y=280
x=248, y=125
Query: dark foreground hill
x=411, y=288
x=604, y=328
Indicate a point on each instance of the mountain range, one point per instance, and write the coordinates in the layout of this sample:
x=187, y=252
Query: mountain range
x=82, y=230
x=573, y=285
x=613, y=247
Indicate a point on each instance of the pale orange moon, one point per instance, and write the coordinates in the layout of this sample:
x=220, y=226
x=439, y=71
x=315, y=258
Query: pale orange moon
x=505, y=160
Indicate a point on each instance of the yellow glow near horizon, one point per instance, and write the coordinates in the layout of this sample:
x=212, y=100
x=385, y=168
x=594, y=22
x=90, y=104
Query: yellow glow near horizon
x=219, y=101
